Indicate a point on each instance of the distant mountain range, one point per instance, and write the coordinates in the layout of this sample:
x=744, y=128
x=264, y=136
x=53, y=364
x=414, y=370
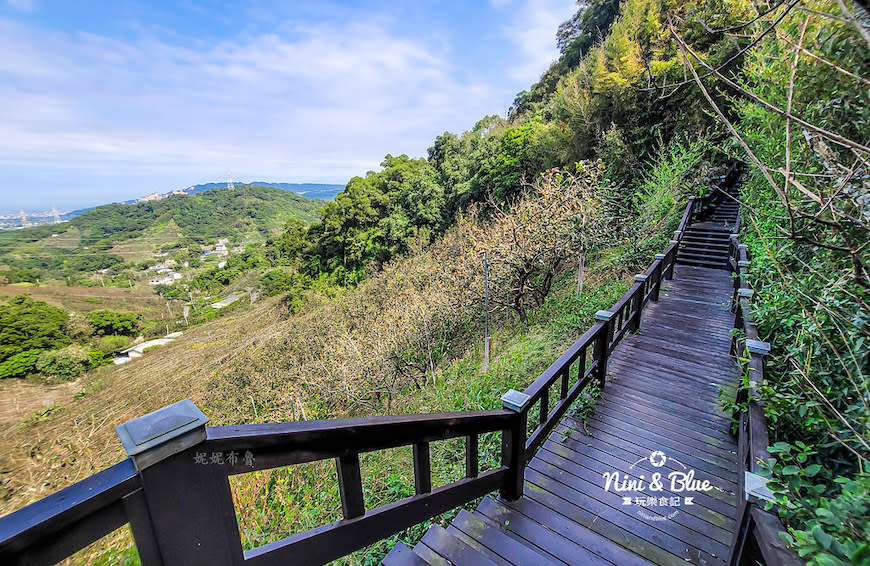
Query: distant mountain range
x=323, y=191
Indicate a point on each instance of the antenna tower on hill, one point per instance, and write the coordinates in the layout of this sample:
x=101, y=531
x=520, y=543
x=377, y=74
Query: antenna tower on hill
x=230, y=185
x=55, y=214
x=24, y=221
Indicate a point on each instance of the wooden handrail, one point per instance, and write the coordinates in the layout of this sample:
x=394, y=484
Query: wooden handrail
x=284, y=444
x=63, y=523
x=756, y=540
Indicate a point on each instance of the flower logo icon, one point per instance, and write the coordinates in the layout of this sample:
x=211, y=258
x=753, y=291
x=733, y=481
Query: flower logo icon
x=658, y=458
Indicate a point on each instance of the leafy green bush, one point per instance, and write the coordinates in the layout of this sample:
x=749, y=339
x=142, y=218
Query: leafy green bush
x=67, y=363
x=26, y=324
x=19, y=364
x=836, y=533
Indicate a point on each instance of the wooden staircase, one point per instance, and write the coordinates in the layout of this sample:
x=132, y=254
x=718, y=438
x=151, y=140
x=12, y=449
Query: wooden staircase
x=706, y=243
x=661, y=394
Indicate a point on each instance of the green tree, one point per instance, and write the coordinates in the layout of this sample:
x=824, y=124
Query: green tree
x=26, y=324
x=116, y=323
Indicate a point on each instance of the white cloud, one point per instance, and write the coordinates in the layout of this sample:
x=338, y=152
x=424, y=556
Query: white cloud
x=316, y=102
x=22, y=5
x=533, y=31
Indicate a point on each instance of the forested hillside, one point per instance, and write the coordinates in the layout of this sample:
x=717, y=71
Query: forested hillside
x=646, y=103
x=84, y=244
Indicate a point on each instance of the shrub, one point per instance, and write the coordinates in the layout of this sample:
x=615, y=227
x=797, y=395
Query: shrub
x=19, y=364
x=66, y=363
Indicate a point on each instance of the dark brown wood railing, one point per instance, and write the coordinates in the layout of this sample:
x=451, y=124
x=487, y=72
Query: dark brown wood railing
x=180, y=507
x=756, y=540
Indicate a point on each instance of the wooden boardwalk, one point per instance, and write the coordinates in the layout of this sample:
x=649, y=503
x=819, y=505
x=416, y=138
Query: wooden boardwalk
x=660, y=406
x=653, y=477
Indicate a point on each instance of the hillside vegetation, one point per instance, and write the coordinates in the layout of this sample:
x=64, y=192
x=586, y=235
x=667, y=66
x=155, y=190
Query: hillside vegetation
x=250, y=213
x=381, y=296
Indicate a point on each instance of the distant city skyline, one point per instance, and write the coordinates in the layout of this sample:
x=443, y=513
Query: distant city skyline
x=106, y=102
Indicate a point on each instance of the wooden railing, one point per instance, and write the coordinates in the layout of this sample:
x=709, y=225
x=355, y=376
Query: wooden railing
x=756, y=540
x=175, y=495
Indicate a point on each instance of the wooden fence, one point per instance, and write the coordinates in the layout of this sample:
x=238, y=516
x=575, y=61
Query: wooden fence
x=756, y=540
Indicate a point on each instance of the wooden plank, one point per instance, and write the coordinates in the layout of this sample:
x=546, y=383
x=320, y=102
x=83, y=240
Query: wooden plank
x=718, y=431
x=538, y=536
x=596, y=457
x=401, y=555
x=574, y=531
x=641, y=538
x=652, y=421
x=692, y=516
x=679, y=534
x=499, y=542
x=643, y=447
x=679, y=409
x=725, y=459
x=430, y=556
x=453, y=549
x=495, y=558
x=592, y=486
x=629, y=452
x=681, y=382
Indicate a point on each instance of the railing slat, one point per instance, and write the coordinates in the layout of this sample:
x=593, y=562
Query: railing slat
x=136, y=509
x=472, y=466
x=422, y=468
x=545, y=407
x=350, y=485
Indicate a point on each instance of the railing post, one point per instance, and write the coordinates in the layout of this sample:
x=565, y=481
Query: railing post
x=657, y=282
x=672, y=261
x=513, y=448
x=640, y=278
x=602, y=346
x=186, y=490
x=691, y=219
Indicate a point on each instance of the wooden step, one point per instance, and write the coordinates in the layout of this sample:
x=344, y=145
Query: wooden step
x=496, y=540
x=452, y=549
x=701, y=263
x=401, y=555
x=716, y=244
x=702, y=255
x=699, y=253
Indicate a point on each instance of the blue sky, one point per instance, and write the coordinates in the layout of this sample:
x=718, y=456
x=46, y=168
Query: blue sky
x=106, y=101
